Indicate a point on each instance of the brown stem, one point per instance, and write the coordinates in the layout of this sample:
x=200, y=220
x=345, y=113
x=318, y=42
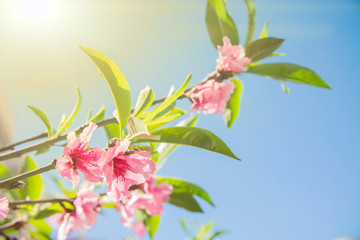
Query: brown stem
x=216, y=75
x=16, y=223
x=31, y=202
x=8, y=182
x=11, y=146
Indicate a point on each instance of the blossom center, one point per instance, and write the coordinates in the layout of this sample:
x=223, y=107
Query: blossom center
x=120, y=167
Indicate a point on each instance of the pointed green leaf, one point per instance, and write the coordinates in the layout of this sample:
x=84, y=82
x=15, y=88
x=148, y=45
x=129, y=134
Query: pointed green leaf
x=251, y=21
x=216, y=234
x=264, y=31
x=89, y=115
x=285, y=88
x=185, y=200
x=233, y=105
x=117, y=83
x=262, y=48
x=152, y=223
x=169, y=100
x=43, y=118
x=138, y=130
x=289, y=72
x=162, y=121
x=183, y=186
x=34, y=186
x=219, y=23
x=195, y=137
x=184, y=226
x=99, y=116
x=144, y=101
x=72, y=115
x=41, y=226
x=4, y=172
x=165, y=148
x=112, y=130
x=48, y=211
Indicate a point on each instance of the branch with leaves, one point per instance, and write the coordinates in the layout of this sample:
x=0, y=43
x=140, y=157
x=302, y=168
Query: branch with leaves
x=137, y=143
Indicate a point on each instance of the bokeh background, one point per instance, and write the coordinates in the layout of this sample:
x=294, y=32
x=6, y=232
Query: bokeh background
x=299, y=178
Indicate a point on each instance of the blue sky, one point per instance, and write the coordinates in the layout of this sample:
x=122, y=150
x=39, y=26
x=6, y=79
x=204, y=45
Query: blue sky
x=299, y=178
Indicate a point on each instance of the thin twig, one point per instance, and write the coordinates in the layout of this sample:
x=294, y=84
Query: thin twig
x=33, y=138
x=16, y=223
x=6, y=183
x=31, y=202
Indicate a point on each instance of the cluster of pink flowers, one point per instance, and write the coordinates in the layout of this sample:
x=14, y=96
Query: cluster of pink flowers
x=84, y=215
x=149, y=197
x=4, y=207
x=231, y=58
x=120, y=167
x=211, y=97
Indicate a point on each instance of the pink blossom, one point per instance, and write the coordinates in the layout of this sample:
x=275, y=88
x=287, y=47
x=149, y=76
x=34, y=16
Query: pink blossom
x=139, y=229
x=231, y=58
x=149, y=197
x=123, y=169
x=211, y=97
x=155, y=196
x=77, y=156
x=4, y=207
x=86, y=207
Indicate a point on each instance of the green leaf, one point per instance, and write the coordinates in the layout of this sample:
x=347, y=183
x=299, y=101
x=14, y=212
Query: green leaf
x=89, y=115
x=264, y=31
x=185, y=200
x=184, y=226
x=289, y=72
x=183, y=186
x=34, y=186
x=43, y=118
x=4, y=172
x=99, y=116
x=162, y=121
x=62, y=120
x=205, y=230
x=219, y=23
x=169, y=100
x=72, y=115
x=216, y=234
x=41, y=226
x=51, y=210
x=262, y=48
x=108, y=205
x=145, y=99
x=152, y=223
x=39, y=236
x=137, y=128
x=195, y=137
x=117, y=84
x=233, y=105
x=251, y=21
x=112, y=130
x=285, y=88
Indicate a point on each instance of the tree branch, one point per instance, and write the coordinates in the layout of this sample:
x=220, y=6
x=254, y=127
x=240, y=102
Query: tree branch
x=7, y=183
x=216, y=75
x=31, y=202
